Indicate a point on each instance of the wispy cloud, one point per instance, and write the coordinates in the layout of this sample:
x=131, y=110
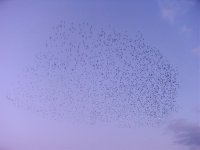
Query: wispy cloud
x=186, y=134
x=197, y=50
x=172, y=10
x=178, y=14
x=186, y=29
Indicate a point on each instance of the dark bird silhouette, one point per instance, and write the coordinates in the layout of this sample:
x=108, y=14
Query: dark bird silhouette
x=98, y=75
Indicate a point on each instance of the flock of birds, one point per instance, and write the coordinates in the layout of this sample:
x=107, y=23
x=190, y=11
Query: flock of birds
x=98, y=75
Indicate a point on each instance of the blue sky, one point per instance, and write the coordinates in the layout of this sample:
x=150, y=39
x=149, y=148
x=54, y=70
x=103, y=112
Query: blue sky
x=170, y=26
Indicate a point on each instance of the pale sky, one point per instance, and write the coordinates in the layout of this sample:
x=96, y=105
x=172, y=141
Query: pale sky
x=170, y=26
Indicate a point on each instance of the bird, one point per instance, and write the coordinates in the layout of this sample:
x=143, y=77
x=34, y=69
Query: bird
x=98, y=75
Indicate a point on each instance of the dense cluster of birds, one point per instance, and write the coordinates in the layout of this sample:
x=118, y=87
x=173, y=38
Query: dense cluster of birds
x=98, y=75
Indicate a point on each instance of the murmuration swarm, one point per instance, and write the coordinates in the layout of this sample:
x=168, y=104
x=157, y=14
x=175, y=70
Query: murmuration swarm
x=98, y=75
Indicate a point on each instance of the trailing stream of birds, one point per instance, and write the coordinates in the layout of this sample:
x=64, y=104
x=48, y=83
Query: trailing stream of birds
x=96, y=75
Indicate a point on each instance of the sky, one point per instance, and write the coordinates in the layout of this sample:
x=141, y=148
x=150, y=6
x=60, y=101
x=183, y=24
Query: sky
x=172, y=26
